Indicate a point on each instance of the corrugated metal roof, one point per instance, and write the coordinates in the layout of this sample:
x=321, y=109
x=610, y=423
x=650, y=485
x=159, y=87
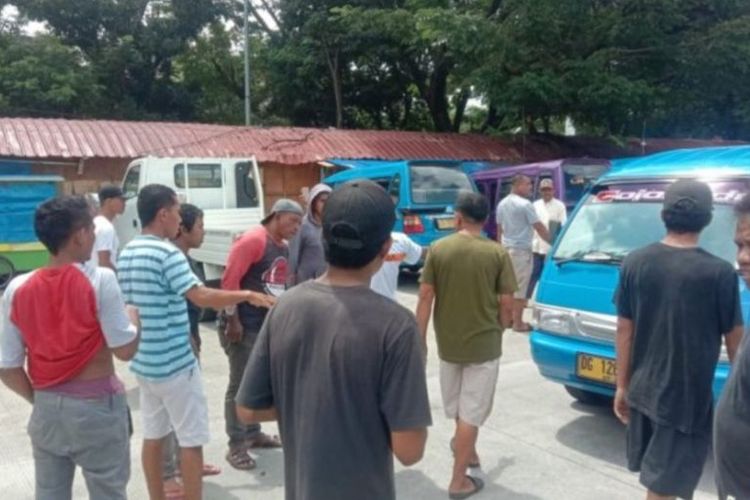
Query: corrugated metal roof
x=57, y=138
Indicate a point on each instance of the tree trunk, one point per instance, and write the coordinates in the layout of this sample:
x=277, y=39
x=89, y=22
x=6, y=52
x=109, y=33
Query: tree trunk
x=437, y=100
x=461, y=101
x=332, y=58
x=493, y=119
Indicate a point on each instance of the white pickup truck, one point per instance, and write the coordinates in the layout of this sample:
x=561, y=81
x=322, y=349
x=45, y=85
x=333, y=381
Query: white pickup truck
x=228, y=190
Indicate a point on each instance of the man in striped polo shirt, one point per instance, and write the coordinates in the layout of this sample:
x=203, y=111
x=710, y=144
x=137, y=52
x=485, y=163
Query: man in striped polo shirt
x=155, y=277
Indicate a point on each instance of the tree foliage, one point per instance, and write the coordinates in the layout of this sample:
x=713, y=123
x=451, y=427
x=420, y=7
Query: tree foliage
x=621, y=67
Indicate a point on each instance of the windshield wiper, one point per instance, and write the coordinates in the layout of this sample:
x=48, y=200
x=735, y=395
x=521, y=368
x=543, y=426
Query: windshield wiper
x=592, y=255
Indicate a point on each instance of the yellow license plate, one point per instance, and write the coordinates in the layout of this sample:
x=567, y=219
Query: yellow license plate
x=596, y=368
x=446, y=223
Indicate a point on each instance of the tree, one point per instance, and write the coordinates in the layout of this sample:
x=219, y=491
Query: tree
x=40, y=76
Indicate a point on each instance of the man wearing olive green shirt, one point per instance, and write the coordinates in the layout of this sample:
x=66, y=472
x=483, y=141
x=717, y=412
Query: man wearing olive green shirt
x=471, y=281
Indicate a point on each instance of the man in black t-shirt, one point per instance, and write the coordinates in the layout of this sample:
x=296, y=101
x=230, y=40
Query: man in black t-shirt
x=340, y=366
x=732, y=423
x=674, y=303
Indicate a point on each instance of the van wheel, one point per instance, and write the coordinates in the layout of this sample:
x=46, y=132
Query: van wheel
x=588, y=397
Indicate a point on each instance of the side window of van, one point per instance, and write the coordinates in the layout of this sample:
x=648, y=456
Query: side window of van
x=384, y=182
x=395, y=188
x=506, y=184
x=130, y=184
x=200, y=175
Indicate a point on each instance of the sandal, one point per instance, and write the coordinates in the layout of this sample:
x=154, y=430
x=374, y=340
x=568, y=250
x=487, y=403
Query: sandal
x=240, y=459
x=524, y=329
x=211, y=470
x=472, y=465
x=478, y=485
x=263, y=440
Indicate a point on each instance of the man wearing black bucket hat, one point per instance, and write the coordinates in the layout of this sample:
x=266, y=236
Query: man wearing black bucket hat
x=674, y=302
x=340, y=366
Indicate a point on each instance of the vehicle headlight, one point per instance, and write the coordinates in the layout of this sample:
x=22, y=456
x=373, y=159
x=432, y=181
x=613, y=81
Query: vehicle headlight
x=553, y=320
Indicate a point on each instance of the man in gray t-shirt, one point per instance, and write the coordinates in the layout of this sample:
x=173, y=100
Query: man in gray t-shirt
x=516, y=222
x=340, y=366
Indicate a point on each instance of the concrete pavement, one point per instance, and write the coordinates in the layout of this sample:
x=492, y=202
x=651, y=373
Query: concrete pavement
x=538, y=443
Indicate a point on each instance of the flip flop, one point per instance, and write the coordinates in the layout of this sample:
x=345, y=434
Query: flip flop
x=263, y=440
x=240, y=459
x=524, y=329
x=478, y=485
x=211, y=470
x=472, y=465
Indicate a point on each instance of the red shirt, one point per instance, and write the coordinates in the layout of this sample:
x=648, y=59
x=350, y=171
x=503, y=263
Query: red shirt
x=55, y=310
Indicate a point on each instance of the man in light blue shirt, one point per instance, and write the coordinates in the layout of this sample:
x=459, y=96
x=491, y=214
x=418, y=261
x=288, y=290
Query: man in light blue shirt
x=516, y=222
x=156, y=278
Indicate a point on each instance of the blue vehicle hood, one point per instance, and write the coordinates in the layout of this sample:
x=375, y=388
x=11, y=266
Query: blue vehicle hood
x=591, y=287
x=579, y=285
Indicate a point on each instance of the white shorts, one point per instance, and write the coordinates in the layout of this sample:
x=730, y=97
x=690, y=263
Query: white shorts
x=469, y=390
x=523, y=265
x=178, y=403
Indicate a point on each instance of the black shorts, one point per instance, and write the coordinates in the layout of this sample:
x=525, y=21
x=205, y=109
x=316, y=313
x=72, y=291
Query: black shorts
x=670, y=462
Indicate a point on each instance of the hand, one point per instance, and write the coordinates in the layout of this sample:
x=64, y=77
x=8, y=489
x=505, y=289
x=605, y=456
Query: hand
x=134, y=316
x=261, y=300
x=233, y=330
x=621, y=408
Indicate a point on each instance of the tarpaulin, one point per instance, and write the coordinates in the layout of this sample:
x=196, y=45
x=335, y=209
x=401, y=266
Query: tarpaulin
x=18, y=201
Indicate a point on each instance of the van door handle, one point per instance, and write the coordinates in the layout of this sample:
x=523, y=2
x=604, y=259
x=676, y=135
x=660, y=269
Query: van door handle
x=135, y=223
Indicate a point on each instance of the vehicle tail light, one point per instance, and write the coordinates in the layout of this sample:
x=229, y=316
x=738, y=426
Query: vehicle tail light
x=413, y=224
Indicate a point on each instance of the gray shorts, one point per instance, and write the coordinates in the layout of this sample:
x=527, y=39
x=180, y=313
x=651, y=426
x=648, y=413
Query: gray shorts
x=523, y=265
x=93, y=434
x=468, y=390
x=670, y=461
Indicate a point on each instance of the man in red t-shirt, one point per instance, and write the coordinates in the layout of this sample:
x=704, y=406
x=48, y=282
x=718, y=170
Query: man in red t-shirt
x=257, y=262
x=66, y=321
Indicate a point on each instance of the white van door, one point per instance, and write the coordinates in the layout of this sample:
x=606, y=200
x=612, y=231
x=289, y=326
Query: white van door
x=127, y=225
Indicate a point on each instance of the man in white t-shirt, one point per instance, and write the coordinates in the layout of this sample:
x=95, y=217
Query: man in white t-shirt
x=403, y=251
x=106, y=246
x=553, y=214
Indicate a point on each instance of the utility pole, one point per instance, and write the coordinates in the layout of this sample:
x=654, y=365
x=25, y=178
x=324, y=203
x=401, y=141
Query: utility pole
x=247, y=63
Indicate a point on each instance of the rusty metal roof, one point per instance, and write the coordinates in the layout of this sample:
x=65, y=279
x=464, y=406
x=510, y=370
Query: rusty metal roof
x=58, y=138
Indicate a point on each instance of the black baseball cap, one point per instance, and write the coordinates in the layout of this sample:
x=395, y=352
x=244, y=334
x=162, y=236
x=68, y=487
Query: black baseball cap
x=359, y=215
x=108, y=192
x=689, y=197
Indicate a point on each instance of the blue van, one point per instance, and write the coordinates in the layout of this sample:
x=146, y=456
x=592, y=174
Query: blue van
x=574, y=325
x=424, y=190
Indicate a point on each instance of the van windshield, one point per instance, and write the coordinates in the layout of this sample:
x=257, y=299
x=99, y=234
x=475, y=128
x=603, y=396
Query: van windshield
x=618, y=218
x=437, y=185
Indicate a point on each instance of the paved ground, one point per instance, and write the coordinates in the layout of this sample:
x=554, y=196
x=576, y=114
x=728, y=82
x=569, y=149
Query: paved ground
x=538, y=443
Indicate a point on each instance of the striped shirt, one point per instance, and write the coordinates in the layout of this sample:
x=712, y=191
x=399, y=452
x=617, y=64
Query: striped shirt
x=154, y=276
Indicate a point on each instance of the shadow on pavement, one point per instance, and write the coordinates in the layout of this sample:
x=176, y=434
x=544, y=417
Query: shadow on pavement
x=413, y=484
x=600, y=435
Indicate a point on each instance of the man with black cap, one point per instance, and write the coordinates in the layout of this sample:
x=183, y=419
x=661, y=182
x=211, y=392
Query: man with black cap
x=674, y=302
x=340, y=366
x=111, y=204
x=257, y=261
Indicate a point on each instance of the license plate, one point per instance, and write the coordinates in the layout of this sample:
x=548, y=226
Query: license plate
x=596, y=368
x=445, y=223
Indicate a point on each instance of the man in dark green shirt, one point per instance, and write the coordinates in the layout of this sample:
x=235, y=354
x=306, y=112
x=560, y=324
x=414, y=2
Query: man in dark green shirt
x=471, y=281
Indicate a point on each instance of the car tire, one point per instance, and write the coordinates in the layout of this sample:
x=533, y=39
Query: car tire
x=588, y=397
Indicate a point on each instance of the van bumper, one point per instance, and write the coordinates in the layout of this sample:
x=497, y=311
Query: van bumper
x=556, y=356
